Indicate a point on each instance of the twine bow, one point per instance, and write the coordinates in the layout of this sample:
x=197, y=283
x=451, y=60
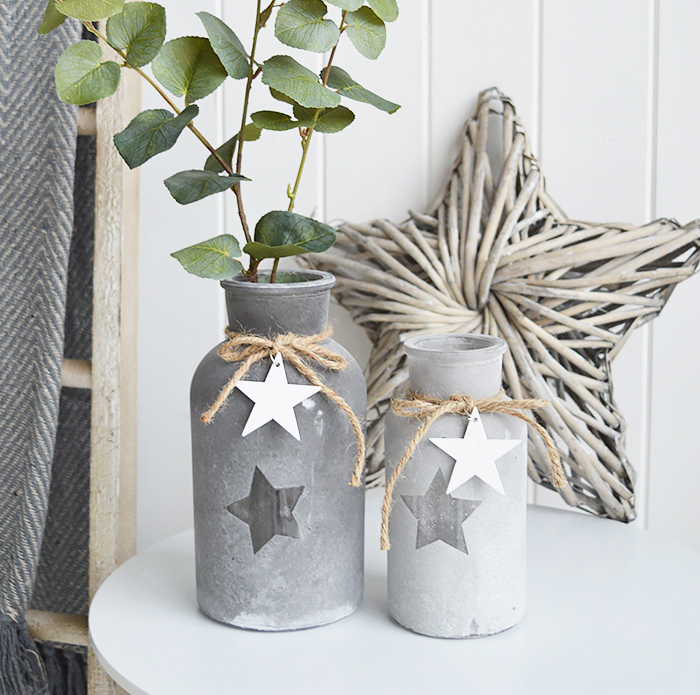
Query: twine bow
x=429, y=409
x=295, y=349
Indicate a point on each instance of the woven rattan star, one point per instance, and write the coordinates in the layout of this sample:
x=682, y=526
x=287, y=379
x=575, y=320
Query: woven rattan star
x=496, y=255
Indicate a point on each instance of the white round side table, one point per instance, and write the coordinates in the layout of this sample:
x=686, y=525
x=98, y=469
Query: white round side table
x=611, y=609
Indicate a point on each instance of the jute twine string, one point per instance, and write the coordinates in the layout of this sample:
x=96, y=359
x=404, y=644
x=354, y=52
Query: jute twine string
x=429, y=409
x=295, y=349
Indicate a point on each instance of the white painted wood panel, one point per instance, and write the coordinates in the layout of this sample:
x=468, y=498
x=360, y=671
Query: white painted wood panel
x=675, y=452
x=476, y=45
x=472, y=48
x=595, y=147
x=376, y=167
x=178, y=316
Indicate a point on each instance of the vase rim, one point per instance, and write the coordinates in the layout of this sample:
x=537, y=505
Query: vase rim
x=315, y=282
x=457, y=347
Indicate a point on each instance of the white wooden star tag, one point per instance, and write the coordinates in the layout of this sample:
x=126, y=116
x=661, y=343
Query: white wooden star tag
x=275, y=399
x=475, y=454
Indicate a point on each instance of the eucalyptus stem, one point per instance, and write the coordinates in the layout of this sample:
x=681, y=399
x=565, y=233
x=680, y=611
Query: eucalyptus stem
x=91, y=28
x=306, y=141
x=254, y=263
x=332, y=55
x=252, y=74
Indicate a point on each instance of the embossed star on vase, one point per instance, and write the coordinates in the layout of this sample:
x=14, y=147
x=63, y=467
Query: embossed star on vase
x=496, y=255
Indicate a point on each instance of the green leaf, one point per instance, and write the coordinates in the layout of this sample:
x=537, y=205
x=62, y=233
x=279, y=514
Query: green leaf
x=225, y=152
x=339, y=80
x=226, y=45
x=265, y=14
x=250, y=132
x=292, y=79
x=329, y=120
x=350, y=5
x=188, y=67
x=301, y=24
x=281, y=97
x=214, y=259
x=89, y=10
x=139, y=30
x=367, y=32
x=387, y=10
x=273, y=120
x=151, y=133
x=334, y=120
x=189, y=186
x=82, y=77
x=279, y=234
x=52, y=18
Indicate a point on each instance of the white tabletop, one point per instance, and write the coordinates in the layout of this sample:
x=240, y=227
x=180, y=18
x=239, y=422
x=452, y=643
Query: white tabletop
x=611, y=609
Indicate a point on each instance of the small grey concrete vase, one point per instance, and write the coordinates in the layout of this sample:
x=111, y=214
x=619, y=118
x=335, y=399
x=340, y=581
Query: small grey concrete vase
x=278, y=529
x=457, y=528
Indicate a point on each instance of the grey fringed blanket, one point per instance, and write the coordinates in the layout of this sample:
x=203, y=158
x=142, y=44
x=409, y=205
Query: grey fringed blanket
x=37, y=153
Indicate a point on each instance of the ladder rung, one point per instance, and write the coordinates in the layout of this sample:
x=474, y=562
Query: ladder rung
x=76, y=374
x=87, y=122
x=58, y=627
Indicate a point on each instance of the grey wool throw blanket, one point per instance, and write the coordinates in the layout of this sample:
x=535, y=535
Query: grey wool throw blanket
x=37, y=155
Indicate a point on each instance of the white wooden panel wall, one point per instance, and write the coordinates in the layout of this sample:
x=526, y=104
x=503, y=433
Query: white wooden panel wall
x=179, y=318
x=674, y=478
x=595, y=150
x=608, y=92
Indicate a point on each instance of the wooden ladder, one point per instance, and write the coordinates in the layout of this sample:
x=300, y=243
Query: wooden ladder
x=112, y=373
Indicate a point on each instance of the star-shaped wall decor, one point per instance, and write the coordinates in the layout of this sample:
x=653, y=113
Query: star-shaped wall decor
x=439, y=515
x=275, y=399
x=475, y=454
x=268, y=510
x=496, y=255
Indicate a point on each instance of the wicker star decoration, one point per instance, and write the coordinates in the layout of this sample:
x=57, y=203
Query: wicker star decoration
x=496, y=255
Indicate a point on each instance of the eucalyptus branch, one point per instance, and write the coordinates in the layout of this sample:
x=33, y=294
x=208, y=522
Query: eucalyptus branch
x=91, y=28
x=306, y=141
x=187, y=66
x=332, y=55
x=252, y=74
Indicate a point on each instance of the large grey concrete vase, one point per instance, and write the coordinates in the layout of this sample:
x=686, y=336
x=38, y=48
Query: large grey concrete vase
x=278, y=528
x=457, y=558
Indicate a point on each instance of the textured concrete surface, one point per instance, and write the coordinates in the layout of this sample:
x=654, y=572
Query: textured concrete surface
x=267, y=486
x=436, y=588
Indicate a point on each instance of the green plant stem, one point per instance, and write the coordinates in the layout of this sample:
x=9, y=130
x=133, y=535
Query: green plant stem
x=306, y=141
x=227, y=168
x=91, y=28
x=254, y=263
x=252, y=74
x=332, y=55
x=252, y=270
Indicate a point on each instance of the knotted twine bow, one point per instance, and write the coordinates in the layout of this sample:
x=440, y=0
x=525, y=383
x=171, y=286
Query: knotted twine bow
x=429, y=409
x=249, y=349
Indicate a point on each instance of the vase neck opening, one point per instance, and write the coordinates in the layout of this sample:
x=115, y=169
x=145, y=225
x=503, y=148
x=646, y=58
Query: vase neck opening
x=299, y=305
x=446, y=364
